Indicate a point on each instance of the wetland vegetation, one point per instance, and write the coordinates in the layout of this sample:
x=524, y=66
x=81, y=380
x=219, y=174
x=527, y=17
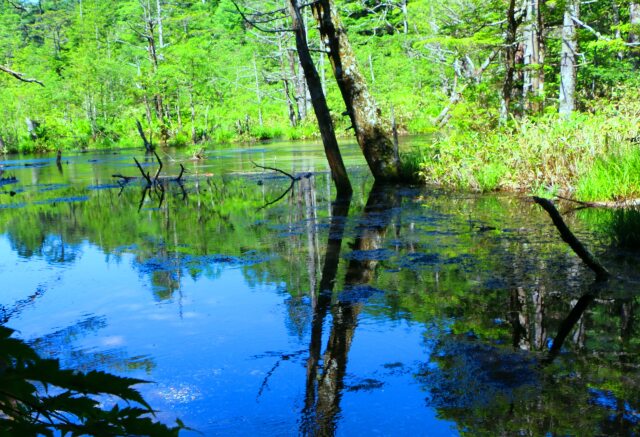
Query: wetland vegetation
x=167, y=271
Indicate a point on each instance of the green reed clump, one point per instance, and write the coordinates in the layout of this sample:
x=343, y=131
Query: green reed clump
x=548, y=153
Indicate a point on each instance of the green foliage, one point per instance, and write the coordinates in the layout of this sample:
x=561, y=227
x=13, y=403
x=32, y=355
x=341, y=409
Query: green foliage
x=40, y=398
x=590, y=153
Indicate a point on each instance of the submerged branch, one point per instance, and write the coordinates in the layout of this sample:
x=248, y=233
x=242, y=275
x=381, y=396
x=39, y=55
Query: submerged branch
x=630, y=203
x=602, y=274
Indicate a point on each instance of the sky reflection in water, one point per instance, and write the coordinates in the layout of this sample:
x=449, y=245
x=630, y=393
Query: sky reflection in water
x=404, y=312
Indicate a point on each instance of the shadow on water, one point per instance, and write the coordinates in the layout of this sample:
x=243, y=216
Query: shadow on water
x=326, y=373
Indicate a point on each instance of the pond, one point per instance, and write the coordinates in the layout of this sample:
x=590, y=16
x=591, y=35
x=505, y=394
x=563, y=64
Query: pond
x=406, y=311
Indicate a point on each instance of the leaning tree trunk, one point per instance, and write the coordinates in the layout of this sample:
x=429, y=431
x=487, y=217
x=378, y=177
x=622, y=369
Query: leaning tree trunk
x=320, y=107
x=568, y=55
x=371, y=133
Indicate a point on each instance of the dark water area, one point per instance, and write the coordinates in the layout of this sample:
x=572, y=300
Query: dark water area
x=405, y=311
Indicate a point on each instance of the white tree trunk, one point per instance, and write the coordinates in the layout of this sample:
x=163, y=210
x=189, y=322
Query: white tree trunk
x=568, y=56
x=634, y=20
x=533, y=83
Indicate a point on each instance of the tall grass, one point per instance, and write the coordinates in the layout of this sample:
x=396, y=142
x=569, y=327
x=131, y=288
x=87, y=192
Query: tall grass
x=589, y=155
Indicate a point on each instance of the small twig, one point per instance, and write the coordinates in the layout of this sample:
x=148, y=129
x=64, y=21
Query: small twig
x=602, y=274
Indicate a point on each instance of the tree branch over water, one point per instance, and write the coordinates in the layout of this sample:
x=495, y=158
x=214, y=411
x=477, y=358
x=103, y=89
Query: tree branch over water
x=602, y=274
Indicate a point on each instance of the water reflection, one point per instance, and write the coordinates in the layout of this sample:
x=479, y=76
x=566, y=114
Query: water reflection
x=325, y=382
x=469, y=309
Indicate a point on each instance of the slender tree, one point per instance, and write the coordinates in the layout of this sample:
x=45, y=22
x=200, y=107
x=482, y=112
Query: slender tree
x=371, y=133
x=568, y=58
x=533, y=74
x=319, y=102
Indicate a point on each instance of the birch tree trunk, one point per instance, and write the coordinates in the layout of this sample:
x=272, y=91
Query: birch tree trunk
x=568, y=56
x=372, y=135
x=320, y=107
x=533, y=85
x=634, y=35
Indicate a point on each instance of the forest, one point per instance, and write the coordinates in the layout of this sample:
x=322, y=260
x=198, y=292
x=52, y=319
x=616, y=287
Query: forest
x=552, y=85
x=191, y=242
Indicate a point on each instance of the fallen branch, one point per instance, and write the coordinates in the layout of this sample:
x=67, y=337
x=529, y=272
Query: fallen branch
x=294, y=179
x=157, y=179
x=20, y=76
x=630, y=203
x=602, y=274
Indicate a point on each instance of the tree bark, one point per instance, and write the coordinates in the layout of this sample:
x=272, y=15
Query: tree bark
x=510, y=60
x=147, y=144
x=370, y=132
x=319, y=102
x=634, y=35
x=568, y=55
x=533, y=85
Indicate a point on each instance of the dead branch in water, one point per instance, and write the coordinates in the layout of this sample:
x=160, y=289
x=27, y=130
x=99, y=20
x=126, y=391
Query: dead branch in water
x=294, y=179
x=602, y=274
x=157, y=179
x=630, y=203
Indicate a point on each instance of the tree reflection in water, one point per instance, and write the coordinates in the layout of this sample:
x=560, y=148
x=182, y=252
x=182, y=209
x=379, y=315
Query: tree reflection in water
x=325, y=379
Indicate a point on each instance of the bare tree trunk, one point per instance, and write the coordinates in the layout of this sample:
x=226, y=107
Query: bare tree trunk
x=160, y=28
x=510, y=60
x=405, y=17
x=568, y=60
x=258, y=93
x=147, y=144
x=32, y=127
x=533, y=57
x=371, y=134
x=338, y=171
x=2, y=145
x=300, y=91
x=616, y=22
x=634, y=35
x=192, y=106
x=285, y=83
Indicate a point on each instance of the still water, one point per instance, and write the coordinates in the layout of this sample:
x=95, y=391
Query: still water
x=406, y=311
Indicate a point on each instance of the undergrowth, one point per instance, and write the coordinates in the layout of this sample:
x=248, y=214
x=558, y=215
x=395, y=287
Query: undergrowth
x=591, y=155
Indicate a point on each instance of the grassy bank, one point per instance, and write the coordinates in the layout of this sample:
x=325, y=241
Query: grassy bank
x=591, y=156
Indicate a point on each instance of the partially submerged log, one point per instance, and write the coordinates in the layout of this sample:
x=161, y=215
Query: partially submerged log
x=602, y=274
x=629, y=203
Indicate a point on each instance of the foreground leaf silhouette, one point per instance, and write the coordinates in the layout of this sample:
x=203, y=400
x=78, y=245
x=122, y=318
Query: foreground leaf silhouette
x=37, y=397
